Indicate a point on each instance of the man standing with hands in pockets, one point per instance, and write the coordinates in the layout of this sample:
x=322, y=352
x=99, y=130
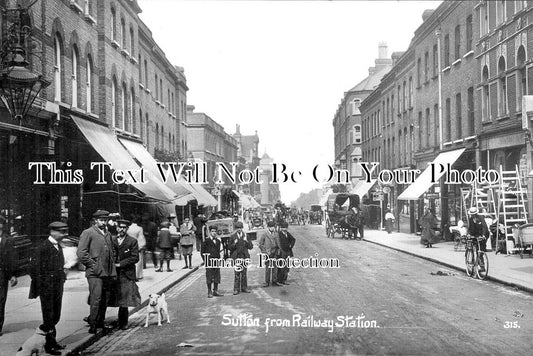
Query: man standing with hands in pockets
x=269, y=245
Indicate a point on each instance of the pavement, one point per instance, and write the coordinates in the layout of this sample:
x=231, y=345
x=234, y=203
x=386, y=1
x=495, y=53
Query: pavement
x=23, y=315
x=507, y=269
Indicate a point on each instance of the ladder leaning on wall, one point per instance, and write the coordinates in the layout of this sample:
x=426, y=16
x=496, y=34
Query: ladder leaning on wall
x=512, y=205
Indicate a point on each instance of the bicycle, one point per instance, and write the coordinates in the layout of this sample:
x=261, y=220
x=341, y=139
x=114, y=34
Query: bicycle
x=476, y=260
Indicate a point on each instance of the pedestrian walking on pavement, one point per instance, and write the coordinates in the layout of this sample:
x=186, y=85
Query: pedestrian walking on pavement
x=98, y=254
x=286, y=243
x=164, y=246
x=187, y=230
x=174, y=233
x=211, y=248
x=239, y=246
x=150, y=235
x=127, y=258
x=269, y=245
x=199, y=223
x=389, y=220
x=7, y=268
x=47, y=280
x=428, y=222
x=136, y=231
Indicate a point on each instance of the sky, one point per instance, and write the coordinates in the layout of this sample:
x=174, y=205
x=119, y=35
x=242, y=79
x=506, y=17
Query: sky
x=279, y=67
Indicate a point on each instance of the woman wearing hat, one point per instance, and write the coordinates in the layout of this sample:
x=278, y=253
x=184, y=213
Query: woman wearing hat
x=428, y=222
x=165, y=246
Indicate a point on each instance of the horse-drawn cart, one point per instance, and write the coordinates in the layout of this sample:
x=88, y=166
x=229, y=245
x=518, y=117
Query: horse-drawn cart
x=338, y=208
x=525, y=239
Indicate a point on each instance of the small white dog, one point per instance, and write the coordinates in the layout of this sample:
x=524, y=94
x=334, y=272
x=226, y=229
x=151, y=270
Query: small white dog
x=34, y=345
x=157, y=304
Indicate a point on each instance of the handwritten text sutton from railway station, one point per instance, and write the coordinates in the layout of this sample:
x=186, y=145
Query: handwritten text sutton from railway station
x=197, y=173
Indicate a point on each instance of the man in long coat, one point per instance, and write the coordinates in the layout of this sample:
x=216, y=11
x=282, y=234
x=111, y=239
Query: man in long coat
x=128, y=256
x=239, y=246
x=7, y=268
x=286, y=243
x=269, y=245
x=98, y=254
x=47, y=280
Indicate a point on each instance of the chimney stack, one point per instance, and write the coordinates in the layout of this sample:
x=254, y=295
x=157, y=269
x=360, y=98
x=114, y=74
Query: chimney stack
x=383, y=49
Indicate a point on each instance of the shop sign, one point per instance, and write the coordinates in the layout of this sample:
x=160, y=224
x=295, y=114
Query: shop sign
x=432, y=195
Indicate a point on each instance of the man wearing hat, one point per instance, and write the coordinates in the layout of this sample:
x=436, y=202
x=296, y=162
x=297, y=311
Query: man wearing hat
x=98, y=254
x=47, y=279
x=211, y=248
x=269, y=245
x=239, y=246
x=286, y=243
x=478, y=228
x=164, y=246
x=7, y=268
x=128, y=256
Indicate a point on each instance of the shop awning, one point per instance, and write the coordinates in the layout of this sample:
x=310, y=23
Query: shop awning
x=202, y=196
x=423, y=182
x=109, y=148
x=362, y=187
x=149, y=163
x=247, y=201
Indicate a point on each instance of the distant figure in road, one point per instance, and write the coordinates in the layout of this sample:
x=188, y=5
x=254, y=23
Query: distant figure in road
x=389, y=220
x=128, y=256
x=428, y=222
x=239, y=246
x=286, y=243
x=164, y=246
x=7, y=268
x=47, y=280
x=211, y=248
x=136, y=231
x=269, y=245
x=187, y=230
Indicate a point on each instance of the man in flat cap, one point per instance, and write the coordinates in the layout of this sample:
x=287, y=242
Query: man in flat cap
x=98, y=254
x=211, y=248
x=47, y=280
x=7, y=268
x=269, y=245
x=128, y=256
x=239, y=246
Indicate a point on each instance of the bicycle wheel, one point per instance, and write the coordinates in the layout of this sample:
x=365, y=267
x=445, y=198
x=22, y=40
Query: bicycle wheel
x=469, y=262
x=482, y=266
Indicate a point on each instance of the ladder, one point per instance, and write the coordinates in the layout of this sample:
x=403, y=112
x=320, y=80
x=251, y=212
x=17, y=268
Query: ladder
x=512, y=205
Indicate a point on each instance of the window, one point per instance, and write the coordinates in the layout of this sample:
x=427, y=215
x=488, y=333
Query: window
x=113, y=24
x=483, y=20
x=156, y=88
x=123, y=33
x=114, y=99
x=521, y=76
x=147, y=130
x=501, y=13
x=162, y=137
x=411, y=99
x=355, y=106
x=132, y=125
x=388, y=111
x=448, y=118
x=469, y=33
x=419, y=129
x=132, y=42
x=457, y=42
x=435, y=60
x=404, y=96
x=89, y=93
x=124, y=113
x=57, y=68
x=392, y=107
x=88, y=7
x=485, y=99
x=419, y=72
x=426, y=67
x=458, y=116
x=399, y=99
x=519, y=5
x=161, y=90
x=157, y=136
x=74, y=81
x=446, y=51
x=470, y=108
x=141, y=126
x=357, y=133
x=502, y=88
x=436, y=133
x=428, y=124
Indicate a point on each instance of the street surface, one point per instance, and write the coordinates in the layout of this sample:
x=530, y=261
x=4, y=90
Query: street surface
x=398, y=305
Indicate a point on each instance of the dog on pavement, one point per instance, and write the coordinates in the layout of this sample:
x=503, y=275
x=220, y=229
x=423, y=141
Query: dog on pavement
x=156, y=304
x=34, y=345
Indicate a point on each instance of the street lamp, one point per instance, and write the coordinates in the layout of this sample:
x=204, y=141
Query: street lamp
x=18, y=85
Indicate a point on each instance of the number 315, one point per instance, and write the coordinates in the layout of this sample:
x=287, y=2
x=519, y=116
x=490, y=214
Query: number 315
x=511, y=325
